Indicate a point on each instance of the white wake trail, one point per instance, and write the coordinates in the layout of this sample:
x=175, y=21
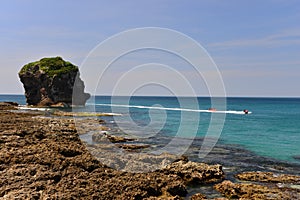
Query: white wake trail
x=176, y=109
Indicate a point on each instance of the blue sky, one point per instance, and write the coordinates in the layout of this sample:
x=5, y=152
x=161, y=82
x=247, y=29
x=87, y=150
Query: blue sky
x=255, y=44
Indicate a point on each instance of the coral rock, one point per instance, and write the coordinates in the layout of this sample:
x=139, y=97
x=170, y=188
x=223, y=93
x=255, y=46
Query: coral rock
x=195, y=173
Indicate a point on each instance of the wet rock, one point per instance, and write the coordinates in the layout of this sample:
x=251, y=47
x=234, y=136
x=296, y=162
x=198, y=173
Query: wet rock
x=254, y=191
x=52, y=81
x=117, y=139
x=8, y=105
x=297, y=157
x=86, y=125
x=268, y=177
x=132, y=147
x=165, y=198
x=198, y=196
x=104, y=136
x=131, y=161
x=99, y=137
x=221, y=198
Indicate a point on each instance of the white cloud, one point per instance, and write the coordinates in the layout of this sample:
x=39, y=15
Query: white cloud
x=288, y=37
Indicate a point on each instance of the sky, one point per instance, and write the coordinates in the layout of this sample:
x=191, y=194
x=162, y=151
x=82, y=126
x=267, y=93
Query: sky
x=254, y=44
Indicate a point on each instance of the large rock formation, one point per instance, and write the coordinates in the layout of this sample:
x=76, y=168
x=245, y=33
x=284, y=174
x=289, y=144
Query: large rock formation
x=52, y=81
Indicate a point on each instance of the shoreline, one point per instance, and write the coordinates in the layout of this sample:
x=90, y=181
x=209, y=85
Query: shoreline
x=43, y=157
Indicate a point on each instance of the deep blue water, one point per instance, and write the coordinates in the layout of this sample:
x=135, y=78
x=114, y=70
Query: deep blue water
x=271, y=130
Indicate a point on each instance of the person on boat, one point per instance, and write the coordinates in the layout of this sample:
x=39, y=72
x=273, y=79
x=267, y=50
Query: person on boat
x=212, y=109
x=246, y=111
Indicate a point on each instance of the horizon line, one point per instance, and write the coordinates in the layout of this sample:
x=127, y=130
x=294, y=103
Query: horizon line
x=229, y=96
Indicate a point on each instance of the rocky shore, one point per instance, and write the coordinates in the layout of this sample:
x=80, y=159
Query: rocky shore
x=43, y=157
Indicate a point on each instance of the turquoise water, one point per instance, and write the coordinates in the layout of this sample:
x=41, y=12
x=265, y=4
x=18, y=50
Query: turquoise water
x=272, y=129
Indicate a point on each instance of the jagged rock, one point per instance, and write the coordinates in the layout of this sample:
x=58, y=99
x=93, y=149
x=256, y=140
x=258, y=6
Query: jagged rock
x=8, y=105
x=268, y=177
x=196, y=173
x=176, y=188
x=198, y=196
x=117, y=139
x=165, y=198
x=297, y=157
x=51, y=81
x=104, y=136
x=254, y=191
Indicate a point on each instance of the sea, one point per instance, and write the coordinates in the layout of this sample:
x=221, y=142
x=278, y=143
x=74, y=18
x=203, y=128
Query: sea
x=267, y=138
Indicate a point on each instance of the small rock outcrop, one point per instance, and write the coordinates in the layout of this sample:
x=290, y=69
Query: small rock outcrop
x=255, y=191
x=268, y=177
x=195, y=173
x=8, y=105
x=51, y=82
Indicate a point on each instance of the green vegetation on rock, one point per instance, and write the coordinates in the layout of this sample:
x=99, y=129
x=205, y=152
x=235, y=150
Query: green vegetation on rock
x=51, y=66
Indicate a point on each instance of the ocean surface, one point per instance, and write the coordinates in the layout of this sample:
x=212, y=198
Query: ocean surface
x=271, y=132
